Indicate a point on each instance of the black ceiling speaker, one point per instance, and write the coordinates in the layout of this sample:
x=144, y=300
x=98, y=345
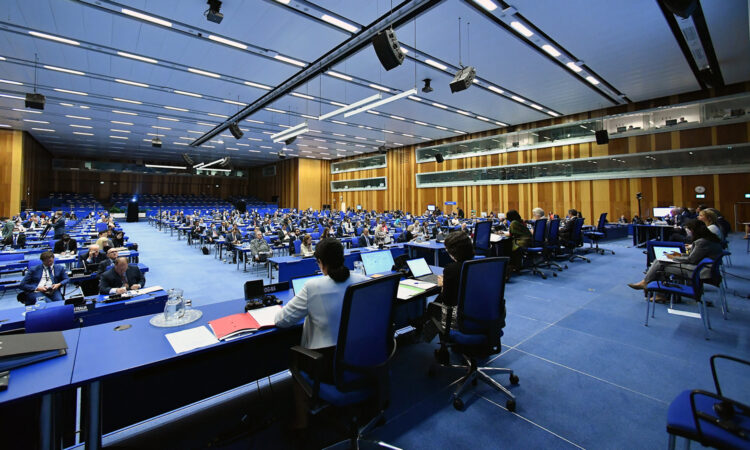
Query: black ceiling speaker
x=388, y=49
x=35, y=101
x=463, y=79
x=290, y=140
x=235, y=130
x=188, y=160
x=682, y=8
x=602, y=137
x=427, y=88
x=439, y=158
x=212, y=13
x=382, y=150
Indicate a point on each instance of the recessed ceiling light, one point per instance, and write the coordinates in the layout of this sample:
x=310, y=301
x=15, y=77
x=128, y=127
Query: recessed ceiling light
x=205, y=124
x=227, y=41
x=337, y=103
x=80, y=126
x=78, y=117
x=11, y=82
x=61, y=69
x=128, y=113
x=44, y=129
x=436, y=64
x=66, y=91
x=154, y=134
x=518, y=26
x=439, y=105
x=551, y=50
x=495, y=89
x=119, y=131
x=139, y=58
x=340, y=123
x=397, y=117
x=54, y=38
x=232, y=102
x=535, y=106
x=574, y=67
x=132, y=83
x=242, y=145
x=121, y=123
x=440, y=128
x=388, y=131
x=258, y=85
x=518, y=99
x=146, y=17
x=187, y=138
x=168, y=118
x=416, y=99
x=217, y=115
x=209, y=146
x=339, y=23
x=592, y=80
x=275, y=110
x=339, y=75
x=297, y=94
x=265, y=146
x=254, y=121
x=36, y=121
x=118, y=137
x=16, y=98
x=203, y=72
x=160, y=128
x=552, y=113
x=174, y=108
x=483, y=118
x=378, y=87
x=190, y=94
x=254, y=139
x=465, y=113
x=419, y=123
x=124, y=100
x=286, y=59
x=83, y=133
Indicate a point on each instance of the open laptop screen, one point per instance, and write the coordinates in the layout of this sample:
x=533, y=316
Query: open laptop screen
x=299, y=283
x=418, y=267
x=660, y=252
x=377, y=262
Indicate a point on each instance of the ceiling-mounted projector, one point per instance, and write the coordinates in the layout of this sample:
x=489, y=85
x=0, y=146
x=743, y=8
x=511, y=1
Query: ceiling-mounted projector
x=156, y=142
x=463, y=79
x=35, y=101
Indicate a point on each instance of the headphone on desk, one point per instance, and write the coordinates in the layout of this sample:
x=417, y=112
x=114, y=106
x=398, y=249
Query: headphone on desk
x=261, y=302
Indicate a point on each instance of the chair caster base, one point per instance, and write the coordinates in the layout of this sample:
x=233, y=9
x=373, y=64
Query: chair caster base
x=514, y=379
x=458, y=404
x=510, y=405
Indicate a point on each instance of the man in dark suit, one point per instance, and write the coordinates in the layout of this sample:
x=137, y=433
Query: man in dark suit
x=58, y=224
x=109, y=261
x=91, y=260
x=66, y=244
x=44, y=280
x=365, y=240
x=460, y=213
x=121, y=278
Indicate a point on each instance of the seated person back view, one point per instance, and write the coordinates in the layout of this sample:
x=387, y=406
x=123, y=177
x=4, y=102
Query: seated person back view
x=320, y=302
x=44, y=280
x=108, y=261
x=66, y=244
x=104, y=242
x=121, y=278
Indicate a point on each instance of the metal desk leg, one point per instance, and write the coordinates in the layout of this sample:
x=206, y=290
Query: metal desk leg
x=46, y=424
x=437, y=257
x=93, y=432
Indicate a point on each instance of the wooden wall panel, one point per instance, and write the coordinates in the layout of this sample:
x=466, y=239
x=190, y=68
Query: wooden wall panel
x=284, y=184
x=37, y=170
x=11, y=161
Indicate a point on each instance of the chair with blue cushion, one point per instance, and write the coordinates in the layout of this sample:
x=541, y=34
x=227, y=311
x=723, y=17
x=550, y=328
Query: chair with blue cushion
x=482, y=231
x=534, y=254
x=570, y=247
x=711, y=419
x=353, y=242
x=364, y=349
x=694, y=290
x=598, y=234
x=552, y=245
x=480, y=320
x=297, y=246
x=54, y=318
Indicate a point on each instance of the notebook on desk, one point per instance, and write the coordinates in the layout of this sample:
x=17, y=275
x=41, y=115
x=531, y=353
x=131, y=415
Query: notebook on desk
x=421, y=271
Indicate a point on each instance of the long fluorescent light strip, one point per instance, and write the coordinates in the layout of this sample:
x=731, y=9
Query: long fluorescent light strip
x=436, y=64
x=489, y=5
x=61, y=69
x=290, y=60
x=54, y=38
x=138, y=57
x=117, y=111
x=518, y=26
x=189, y=94
x=66, y=91
x=286, y=136
x=124, y=100
x=289, y=130
x=203, y=72
x=146, y=17
x=132, y=83
x=339, y=75
x=158, y=166
x=227, y=42
x=339, y=23
x=174, y=108
x=354, y=105
x=258, y=85
x=392, y=98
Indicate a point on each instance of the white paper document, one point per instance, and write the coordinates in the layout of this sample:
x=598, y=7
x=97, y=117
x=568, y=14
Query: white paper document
x=190, y=339
x=265, y=316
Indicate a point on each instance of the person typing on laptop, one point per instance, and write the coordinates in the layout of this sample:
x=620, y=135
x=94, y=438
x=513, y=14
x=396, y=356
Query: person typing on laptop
x=460, y=249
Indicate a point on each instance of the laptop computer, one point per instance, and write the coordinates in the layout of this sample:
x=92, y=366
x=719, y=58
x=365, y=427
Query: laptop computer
x=377, y=262
x=660, y=253
x=421, y=271
x=299, y=282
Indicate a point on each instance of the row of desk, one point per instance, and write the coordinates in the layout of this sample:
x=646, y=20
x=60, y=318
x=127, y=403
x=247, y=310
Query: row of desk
x=134, y=374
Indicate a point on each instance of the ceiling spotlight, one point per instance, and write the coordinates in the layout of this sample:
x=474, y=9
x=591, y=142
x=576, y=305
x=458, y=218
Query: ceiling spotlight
x=290, y=140
x=463, y=79
x=235, y=130
x=212, y=13
x=427, y=88
x=382, y=150
x=156, y=142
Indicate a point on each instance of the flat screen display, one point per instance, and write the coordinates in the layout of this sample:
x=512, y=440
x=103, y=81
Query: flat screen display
x=299, y=283
x=430, y=207
x=377, y=262
x=418, y=267
x=661, y=212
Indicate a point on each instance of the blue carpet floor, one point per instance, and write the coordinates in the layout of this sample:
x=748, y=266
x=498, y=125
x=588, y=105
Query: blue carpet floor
x=591, y=374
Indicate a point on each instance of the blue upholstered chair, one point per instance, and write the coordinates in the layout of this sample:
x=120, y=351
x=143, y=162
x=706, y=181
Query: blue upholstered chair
x=570, y=247
x=534, y=254
x=54, y=318
x=297, y=246
x=552, y=245
x=479, y=326
x=363, y=351
x=482, y=231
x=710, y=418
x=597, y=234
x=694, y=290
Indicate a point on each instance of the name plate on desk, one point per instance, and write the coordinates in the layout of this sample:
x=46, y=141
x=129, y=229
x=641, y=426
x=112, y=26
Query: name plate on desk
x=276, y=287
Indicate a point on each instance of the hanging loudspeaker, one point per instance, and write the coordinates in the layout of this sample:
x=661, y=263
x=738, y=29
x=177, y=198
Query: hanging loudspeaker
x=602, y=137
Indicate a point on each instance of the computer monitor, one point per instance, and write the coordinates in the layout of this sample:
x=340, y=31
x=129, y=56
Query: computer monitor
x=662, y=212
x=430, y=207
x=299, y=283
x=418, y=267
x=377, y=262
x=359, y=207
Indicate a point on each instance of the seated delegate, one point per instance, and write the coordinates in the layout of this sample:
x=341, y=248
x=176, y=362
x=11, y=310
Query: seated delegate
x=520, y=235
x=66, y=244
x=121, y=278
x=44, y=280
x=319, y=303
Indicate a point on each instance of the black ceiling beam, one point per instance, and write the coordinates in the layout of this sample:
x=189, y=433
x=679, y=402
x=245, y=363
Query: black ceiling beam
x=699, y=20
x=677, y=33
x=403, y=13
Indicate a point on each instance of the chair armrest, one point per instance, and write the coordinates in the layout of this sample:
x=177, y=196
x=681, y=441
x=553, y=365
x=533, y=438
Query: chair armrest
x=713, y=367
x=314, y=360
x=725, y=423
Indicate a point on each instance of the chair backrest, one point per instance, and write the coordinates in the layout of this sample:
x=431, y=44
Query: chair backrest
x=305, y=266
x=576, y=237
x=297, y=246
x=12, y=257
x=55, y=318
x=34, y=263
x=482, y=231
x=540, y=229
x=602, y=221
x=481, y=299
x=697, y=280
x=554, y=231
x=354, y=242
x=365, y=341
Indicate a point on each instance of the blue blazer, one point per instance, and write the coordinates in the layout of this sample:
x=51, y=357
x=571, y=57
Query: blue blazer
x=34, y=275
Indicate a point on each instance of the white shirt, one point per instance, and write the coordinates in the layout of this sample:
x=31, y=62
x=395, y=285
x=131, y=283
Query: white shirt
x=46, y=280
x=320, y=303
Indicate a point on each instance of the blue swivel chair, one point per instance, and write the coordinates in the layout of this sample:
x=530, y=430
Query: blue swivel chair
x=479, y=326
x=651, y=256
x=570, y=247
x=353, y=242
x=693, y=290
x=709, y=418
x=364, y=349
x=482, y=231
x=55, y=318
x=596, y=235
x=297, y=246
x=534, y=254
x=552, y=245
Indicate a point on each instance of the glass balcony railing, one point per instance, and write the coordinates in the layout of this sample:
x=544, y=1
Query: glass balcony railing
x=363, y=184
x=351, y=165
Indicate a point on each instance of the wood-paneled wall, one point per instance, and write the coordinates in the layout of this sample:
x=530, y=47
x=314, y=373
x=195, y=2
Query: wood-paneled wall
x=312, y=181
x=37, y=170
x=283, y=185
x=11, y=162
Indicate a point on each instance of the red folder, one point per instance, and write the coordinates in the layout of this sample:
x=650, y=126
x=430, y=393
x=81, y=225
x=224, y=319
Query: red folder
x=236, y=325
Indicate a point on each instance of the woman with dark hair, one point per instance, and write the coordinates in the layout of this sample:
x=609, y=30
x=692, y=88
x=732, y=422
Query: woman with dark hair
x=520, y=235
x=460, y=248
x=705, y=245
x=306, y=247
x=119, y=239
x=319, y=303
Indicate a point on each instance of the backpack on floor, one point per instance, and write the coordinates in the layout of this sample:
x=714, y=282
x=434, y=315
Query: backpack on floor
x=205, y=250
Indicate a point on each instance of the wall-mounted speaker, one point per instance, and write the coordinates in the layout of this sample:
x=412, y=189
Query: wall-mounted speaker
x=439, y=158
x=602, y=137
x=388, y=49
